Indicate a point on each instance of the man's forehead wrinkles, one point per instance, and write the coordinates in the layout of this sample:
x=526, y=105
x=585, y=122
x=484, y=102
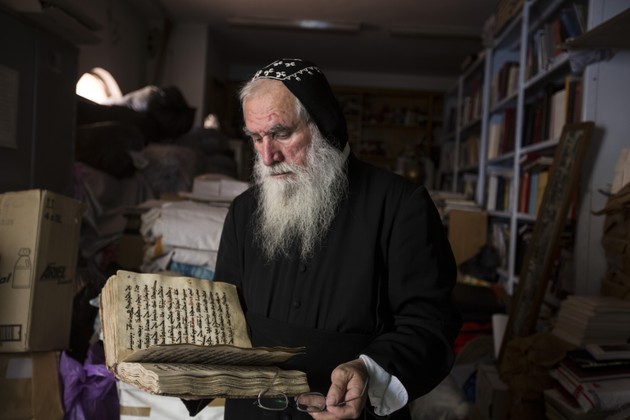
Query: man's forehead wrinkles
x=274, y=129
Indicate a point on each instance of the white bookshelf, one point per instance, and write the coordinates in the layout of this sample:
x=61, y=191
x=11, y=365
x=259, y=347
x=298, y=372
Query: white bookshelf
x=605, y=96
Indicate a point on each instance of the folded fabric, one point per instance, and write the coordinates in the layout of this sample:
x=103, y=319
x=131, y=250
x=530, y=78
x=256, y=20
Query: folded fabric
x=189, y=224
x=148, y=220
x=195, y=257
x=191, y=270
x=155, y=250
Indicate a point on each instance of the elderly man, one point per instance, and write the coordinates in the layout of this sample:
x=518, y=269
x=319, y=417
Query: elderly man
x=335, y=255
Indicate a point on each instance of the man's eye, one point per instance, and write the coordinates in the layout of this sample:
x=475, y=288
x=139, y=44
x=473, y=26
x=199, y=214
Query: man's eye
x=256, y=139
x=281, y=135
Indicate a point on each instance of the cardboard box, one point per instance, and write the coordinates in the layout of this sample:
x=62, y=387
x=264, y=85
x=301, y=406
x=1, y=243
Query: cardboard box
x=467, y=233
x=492, y=394
x=30, y=386
x=39, y=237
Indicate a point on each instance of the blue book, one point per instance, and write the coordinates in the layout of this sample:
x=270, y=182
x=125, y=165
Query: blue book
x=570, y=22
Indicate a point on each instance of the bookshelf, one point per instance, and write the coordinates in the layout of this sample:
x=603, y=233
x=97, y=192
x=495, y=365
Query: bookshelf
x=461, y=166
x=531, y=87
x=394, y=129
x=447, y=170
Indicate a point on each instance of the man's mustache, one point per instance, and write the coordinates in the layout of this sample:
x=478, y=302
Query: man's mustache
x=279, y=168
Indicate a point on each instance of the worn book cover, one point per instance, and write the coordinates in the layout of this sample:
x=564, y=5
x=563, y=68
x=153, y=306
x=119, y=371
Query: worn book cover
x=187, y=337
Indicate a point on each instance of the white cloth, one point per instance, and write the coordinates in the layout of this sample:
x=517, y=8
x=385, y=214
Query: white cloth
x=387, y=394
x=136, y=404
x=197, y=257
x=188, y=224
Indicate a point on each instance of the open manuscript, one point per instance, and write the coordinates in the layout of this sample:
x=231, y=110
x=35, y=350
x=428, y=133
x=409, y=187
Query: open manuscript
x=187, y=337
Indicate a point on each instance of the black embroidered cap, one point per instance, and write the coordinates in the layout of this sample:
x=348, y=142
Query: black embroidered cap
x=308, y=84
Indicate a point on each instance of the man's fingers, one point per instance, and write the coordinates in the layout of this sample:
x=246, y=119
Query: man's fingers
x=347, y=393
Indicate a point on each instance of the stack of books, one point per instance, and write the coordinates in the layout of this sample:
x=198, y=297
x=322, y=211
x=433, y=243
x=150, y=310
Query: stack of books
x=590, y=386
x=445, y=201
x=560, y=405
x=586, y=320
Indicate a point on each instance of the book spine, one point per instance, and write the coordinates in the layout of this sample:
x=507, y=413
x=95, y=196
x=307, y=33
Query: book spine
x=578, y=390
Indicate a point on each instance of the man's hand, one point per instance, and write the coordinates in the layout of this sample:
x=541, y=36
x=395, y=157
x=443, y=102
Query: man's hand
x=348, y=392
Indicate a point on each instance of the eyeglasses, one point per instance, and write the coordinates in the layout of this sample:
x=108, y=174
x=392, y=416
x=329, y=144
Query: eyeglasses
x=308, y=402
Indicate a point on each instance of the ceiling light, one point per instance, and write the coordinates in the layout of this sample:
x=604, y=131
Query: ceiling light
x=429, y=31
x=306, y=24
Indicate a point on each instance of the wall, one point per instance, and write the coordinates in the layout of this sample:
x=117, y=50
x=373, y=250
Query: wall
x=607, y=99
x=123, y=48
x=190, y=59
x=139, y=51
x=368, y=80
x=185, y=64
x=37, y=119
x=391, y=81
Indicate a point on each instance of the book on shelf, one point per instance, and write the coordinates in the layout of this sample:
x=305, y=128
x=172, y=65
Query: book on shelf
x=541, y=185
x=557, y=113
x=531, y=123
x=571, y=21
x=557, y=36
x=542, y=51
x=501, y=134
x=506, y=143
x=471, y=109
x=498, y=190
x=469, y=151
x=503, y=194
x=535, y=170
x=533, y=193
x=187, y=337
x=529, y=116
x=531, y=63
x=580, y=13
x=494, y=137
x=523, y=195
x=548, y=43
x=536, y=119
x=492, y=203
x=506, y=81
x=573, y=86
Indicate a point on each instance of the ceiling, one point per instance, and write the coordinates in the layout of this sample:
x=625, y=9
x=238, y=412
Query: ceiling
x=371, y=49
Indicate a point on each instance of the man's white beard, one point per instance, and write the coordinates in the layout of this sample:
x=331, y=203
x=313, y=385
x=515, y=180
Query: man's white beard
x=297, y=210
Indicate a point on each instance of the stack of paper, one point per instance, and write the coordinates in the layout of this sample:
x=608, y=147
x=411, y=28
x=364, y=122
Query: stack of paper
x=593, y=320
x=183, y=237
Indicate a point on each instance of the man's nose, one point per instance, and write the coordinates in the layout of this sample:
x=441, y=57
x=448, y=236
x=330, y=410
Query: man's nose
x=270, y=152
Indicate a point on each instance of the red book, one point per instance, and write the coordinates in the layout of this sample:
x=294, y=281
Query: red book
x=557, y=37
x=523, y=199
x=538, y=125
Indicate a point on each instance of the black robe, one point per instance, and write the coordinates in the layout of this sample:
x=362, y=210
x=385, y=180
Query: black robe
x=379, y=284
